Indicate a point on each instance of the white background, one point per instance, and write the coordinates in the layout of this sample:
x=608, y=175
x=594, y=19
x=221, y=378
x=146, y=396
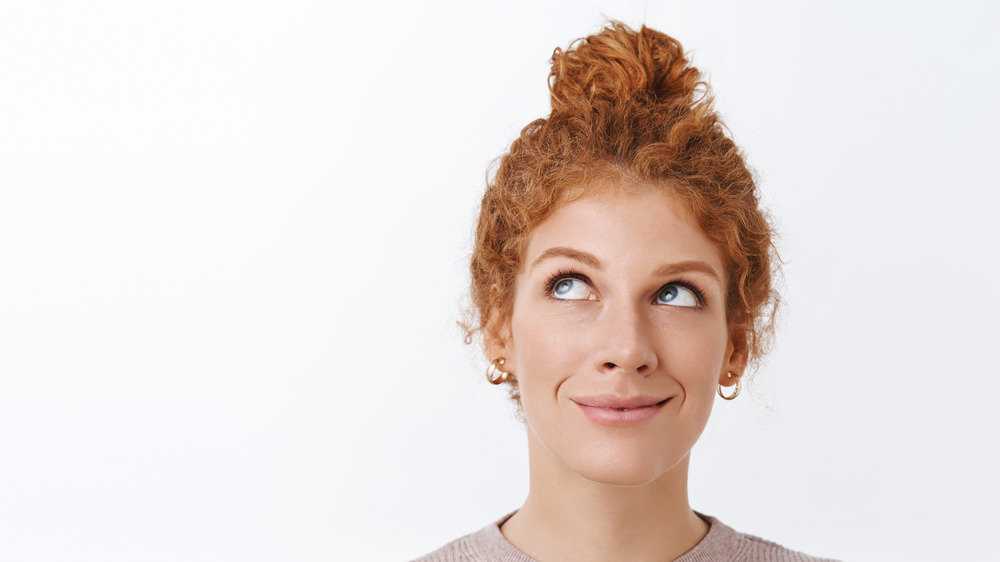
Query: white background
x=233, y=244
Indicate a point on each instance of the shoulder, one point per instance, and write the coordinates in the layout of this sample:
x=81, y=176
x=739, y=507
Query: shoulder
x=487, y=543
x=724, y=543
x=463, y=548
x=761, y=549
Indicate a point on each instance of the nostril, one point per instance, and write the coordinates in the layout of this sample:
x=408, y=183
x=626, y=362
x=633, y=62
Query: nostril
x=642, y=369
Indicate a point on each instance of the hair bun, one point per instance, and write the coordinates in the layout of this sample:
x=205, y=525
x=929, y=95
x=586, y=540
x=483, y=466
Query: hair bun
x=620, y=64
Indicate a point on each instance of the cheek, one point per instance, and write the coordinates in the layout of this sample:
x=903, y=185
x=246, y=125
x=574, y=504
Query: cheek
x=694, y=357
x=547, y=350
x=693, y=345
x=544, y=349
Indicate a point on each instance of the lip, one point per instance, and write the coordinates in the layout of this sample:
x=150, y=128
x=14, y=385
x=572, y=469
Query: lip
x=609, y=409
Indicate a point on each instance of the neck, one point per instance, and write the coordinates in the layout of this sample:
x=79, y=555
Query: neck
x=568, y=517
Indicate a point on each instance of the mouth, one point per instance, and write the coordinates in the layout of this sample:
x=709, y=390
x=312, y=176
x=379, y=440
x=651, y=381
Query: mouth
x=618, y=410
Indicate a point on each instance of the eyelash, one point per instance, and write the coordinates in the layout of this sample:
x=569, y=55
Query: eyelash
x=702, y=301
x=558, y=276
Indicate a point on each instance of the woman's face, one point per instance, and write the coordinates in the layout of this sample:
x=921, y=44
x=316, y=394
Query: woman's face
x=618, y=336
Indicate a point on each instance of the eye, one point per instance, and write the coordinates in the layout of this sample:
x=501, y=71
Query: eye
x=569, y=288
x=677, y=295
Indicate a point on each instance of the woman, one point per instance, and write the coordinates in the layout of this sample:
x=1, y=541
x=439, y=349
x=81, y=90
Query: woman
x=621, y=277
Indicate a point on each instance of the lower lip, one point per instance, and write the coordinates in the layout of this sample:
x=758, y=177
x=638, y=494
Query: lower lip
x=612, y=416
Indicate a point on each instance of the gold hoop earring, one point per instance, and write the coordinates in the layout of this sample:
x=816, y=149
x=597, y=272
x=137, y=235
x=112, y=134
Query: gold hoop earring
x=493, y=369
x=735, y=392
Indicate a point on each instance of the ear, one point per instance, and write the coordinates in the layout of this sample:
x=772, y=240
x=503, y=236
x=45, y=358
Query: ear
x=737, y=354
x=497, y=338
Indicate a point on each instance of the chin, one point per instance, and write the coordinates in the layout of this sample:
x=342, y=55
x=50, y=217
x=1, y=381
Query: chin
x=622, y=471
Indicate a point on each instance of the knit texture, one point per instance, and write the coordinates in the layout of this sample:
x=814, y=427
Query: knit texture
x=722, y=543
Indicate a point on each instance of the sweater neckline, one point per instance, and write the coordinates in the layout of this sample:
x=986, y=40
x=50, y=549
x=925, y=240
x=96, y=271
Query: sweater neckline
x=720, y=542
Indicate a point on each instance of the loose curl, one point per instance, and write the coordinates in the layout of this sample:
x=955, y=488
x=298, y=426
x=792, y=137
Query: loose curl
x=628, y=109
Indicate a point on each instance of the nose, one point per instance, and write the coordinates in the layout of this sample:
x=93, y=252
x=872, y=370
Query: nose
x=625, y=342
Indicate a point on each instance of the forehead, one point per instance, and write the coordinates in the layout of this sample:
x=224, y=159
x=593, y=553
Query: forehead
x=635, y=228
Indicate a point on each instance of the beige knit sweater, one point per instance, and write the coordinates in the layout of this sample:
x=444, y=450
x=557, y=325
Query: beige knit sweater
x=721, y=544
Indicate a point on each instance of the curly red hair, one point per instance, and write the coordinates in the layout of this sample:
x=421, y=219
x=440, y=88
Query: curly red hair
x=629, y=109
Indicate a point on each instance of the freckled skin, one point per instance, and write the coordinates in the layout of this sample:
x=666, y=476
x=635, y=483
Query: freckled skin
x=603, y=491
x=621, y=339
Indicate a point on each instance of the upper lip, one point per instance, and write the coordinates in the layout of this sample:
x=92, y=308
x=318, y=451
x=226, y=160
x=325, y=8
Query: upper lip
x=618, y=402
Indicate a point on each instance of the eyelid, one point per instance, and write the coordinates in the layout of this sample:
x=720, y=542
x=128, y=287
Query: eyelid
x=561, y=274
x=699, y=295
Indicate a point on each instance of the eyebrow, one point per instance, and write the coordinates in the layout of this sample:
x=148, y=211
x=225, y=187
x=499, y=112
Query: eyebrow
x=690, y=265
x=664, y=271
x=563, y=251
